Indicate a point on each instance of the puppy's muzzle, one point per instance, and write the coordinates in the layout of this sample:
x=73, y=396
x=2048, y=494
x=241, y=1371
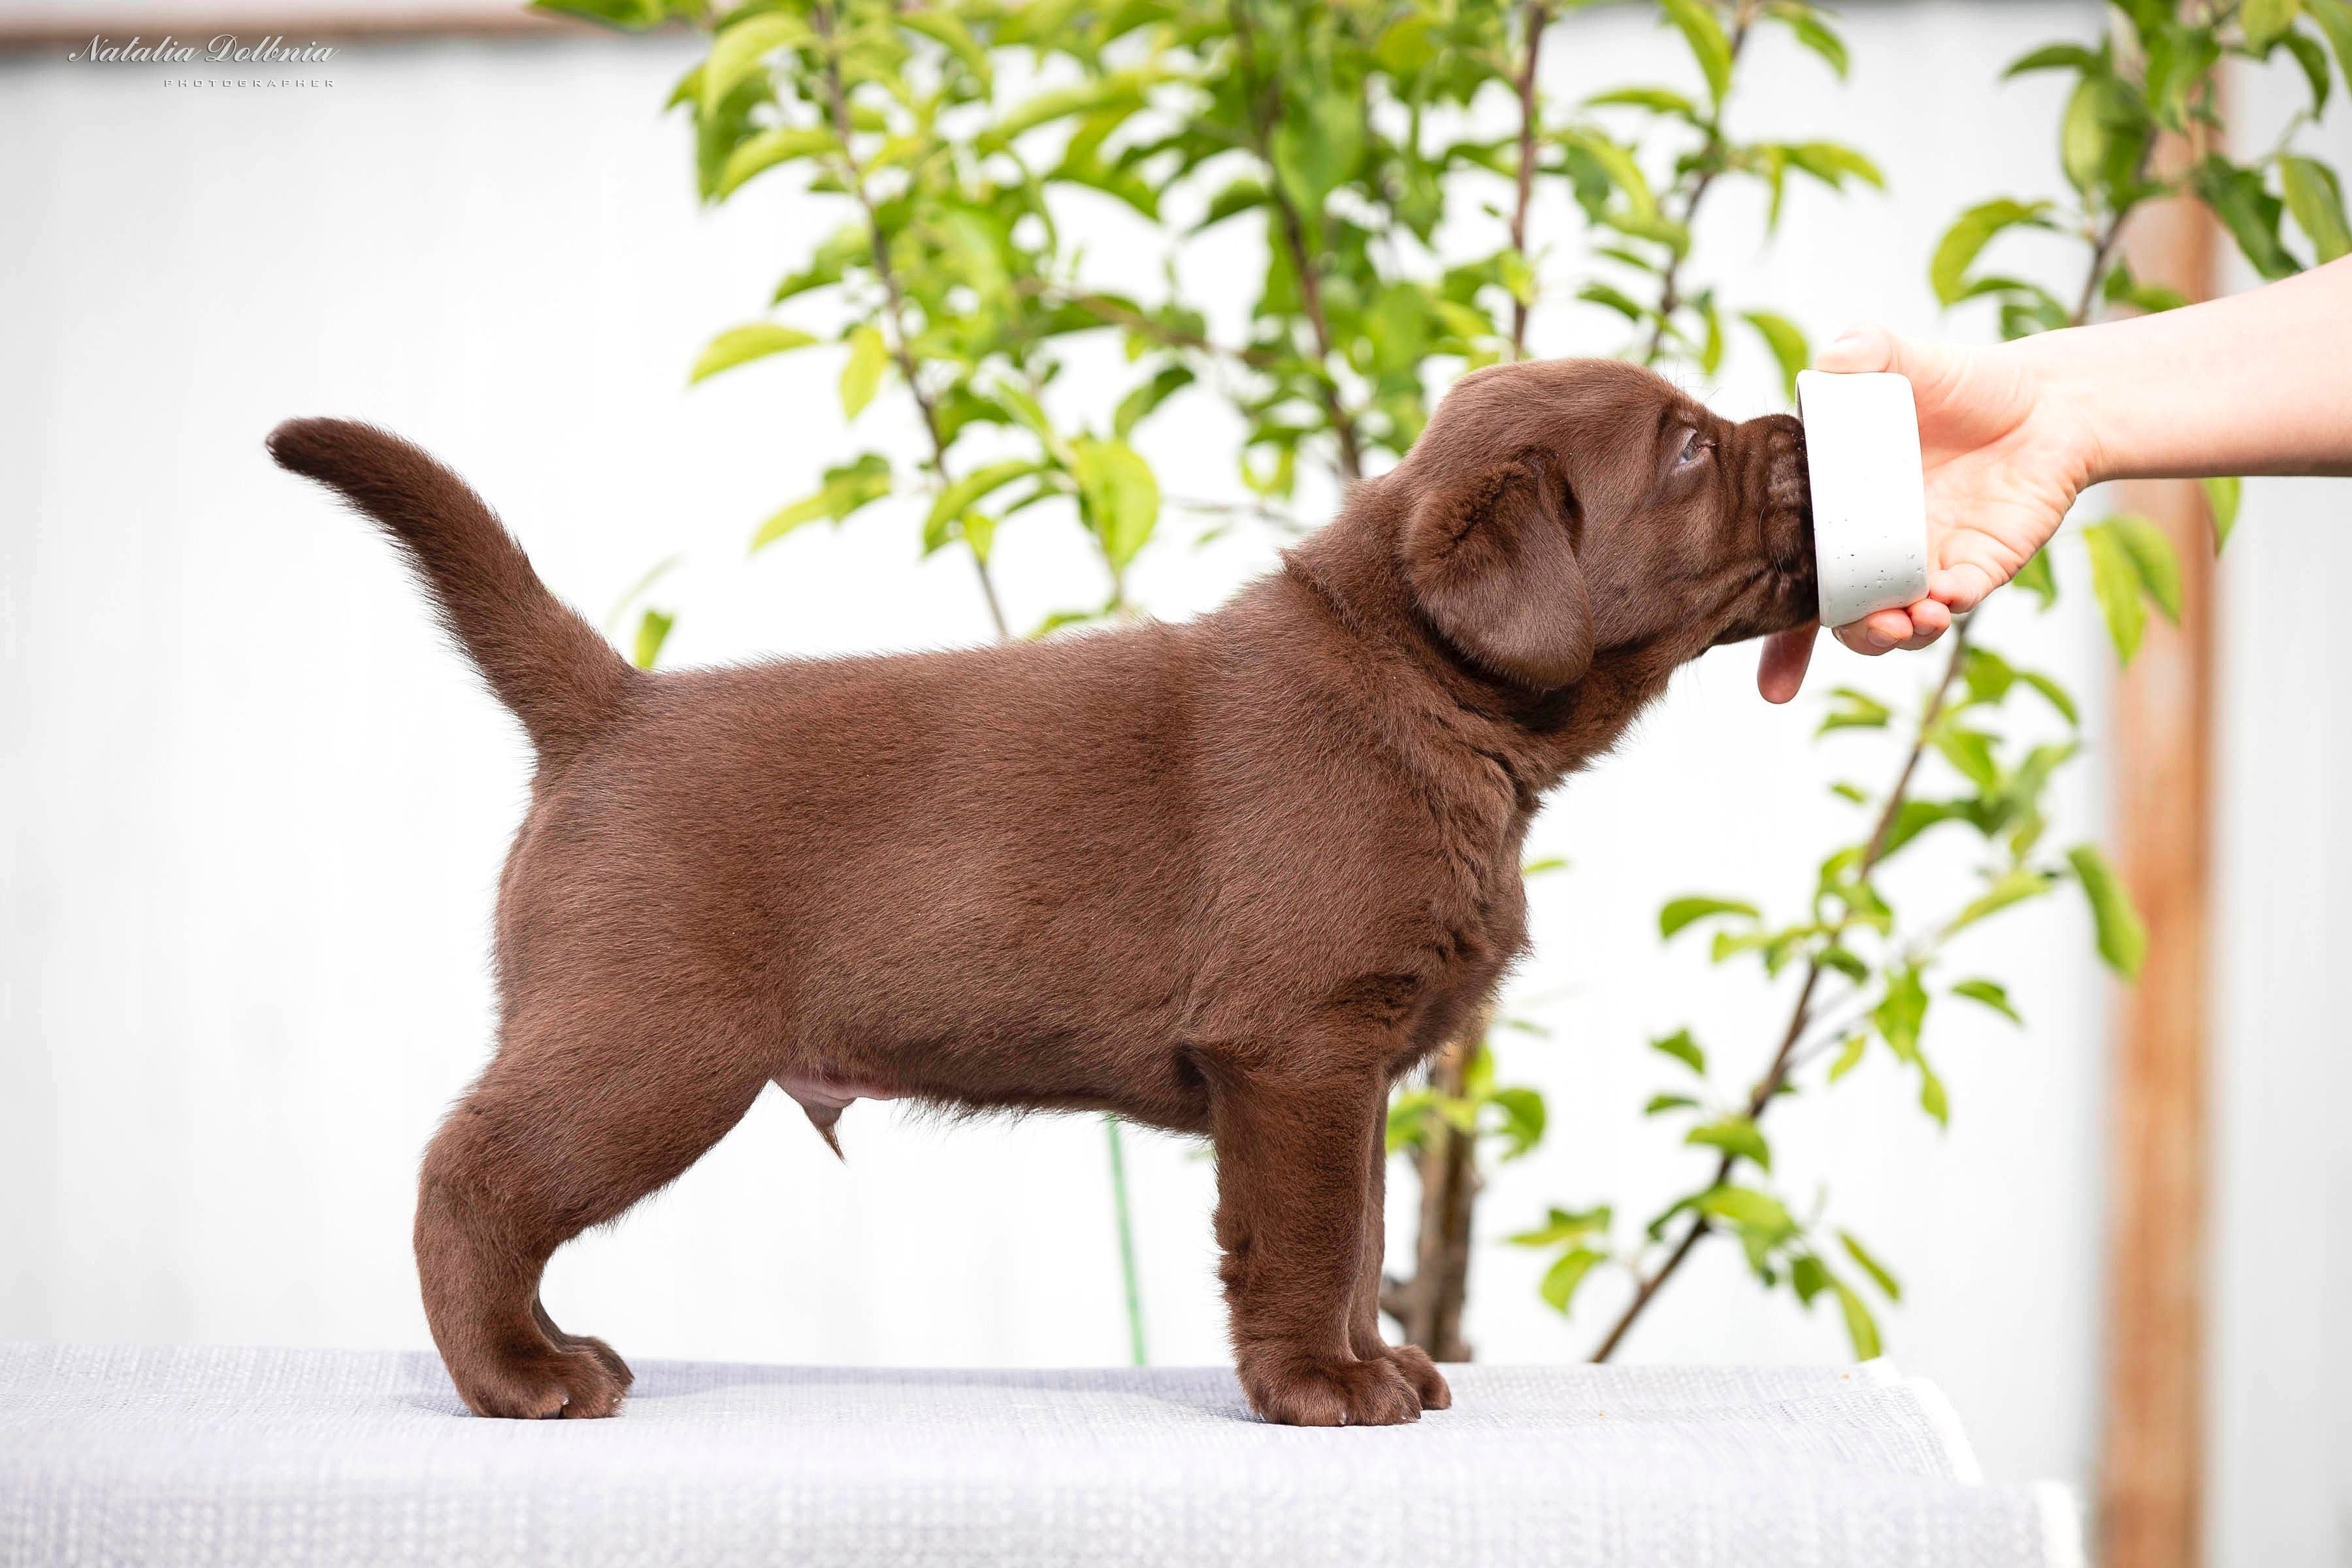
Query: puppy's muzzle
x=1783, y=486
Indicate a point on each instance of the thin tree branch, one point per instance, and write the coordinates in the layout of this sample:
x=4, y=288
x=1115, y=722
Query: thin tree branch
x=1294, y=239
x=837, y=106
x=1119, y=314
x=1759, y=1100
x=1539, y=15
x=1709, y=166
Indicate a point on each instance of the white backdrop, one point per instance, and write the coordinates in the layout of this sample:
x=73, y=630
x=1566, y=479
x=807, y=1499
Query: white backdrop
x=254, y=808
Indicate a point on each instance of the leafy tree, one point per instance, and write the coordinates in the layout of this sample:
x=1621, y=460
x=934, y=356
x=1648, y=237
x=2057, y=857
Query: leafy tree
x=1390, y=162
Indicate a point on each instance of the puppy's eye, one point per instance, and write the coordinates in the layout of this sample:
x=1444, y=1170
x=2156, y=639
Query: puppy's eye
x=1697, y=448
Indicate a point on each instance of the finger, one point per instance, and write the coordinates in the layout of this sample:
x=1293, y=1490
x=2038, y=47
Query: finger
x=1859, y=638
x=1865, y=346
x=1930, y=620
x=1962, y=587
x=1780, y=672
x=1881, y=630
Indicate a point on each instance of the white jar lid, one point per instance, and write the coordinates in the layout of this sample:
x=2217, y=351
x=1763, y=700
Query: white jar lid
x=1870, y=504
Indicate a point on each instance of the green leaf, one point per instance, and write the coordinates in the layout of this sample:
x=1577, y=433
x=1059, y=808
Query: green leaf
x=1854, y=710
x=2317, y=203
x=1618, y=164
x=653, y=630
x=1971, y=751
x=1560, y=1281
x=2054, y=56
x=654, y=575
x=1860, y=1326
x=2248, y=211
x=2087, y=132
x=957, y=497
x=1659, y=1104
x=1880, y=1275
x=1122, y=90
x=741, y=345
x=1991, y=994
x=1969, y=234
x=757, y=154
x=1736, y=1135
x=1657, y=100
x=1703, y=30
x=2158, y=568
x=1566, y=1225
x=1813, y=31
x=1524, y=1118
x=1683, y=1049
x=2222, y=496
x=1902, y=1013
x=2335, y=19
x=738, y=50
x=1681, y=912
x=1849, y=1057
x=2037, y=578
x=2051, y=692
x=1317, y=152
x=1783, y=336
x=2123, y=941
x=845, y=488
x=1748, y=1210
x=1834, y=163
x=2266, y=21
x=629, y=14
x=1119, y=495
x=1988, y=676
x=861, y=376
x=1616, y=299
x=2013, y=886
x=1136, y=406
x=1846, y=962
x=2115, y=581
x=2312, y=59
x=1548, y=863
x=1808, y=1277
x=943, y=26
x=1932, y=1098
x=2123, y=288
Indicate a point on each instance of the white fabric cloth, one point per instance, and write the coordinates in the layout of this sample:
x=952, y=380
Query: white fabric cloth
x=193, y=1455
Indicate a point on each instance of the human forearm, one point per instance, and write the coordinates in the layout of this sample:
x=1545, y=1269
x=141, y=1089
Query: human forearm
x=2259, y=383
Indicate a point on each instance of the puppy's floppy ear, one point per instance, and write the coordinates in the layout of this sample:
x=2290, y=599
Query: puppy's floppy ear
x=1490, y=559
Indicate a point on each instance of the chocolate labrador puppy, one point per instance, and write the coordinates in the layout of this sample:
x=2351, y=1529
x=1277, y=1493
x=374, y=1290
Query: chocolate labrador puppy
x=1232, y=877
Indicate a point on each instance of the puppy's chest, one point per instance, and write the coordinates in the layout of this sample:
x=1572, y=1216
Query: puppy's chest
x=1475, y=897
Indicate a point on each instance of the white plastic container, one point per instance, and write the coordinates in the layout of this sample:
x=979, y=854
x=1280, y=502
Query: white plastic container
x=1870, y=504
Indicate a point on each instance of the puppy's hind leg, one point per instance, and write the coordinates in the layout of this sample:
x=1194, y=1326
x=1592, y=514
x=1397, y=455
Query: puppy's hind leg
x=566, y=1130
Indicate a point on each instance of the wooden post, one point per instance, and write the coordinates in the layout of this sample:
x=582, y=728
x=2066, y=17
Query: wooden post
x=2151, y=1468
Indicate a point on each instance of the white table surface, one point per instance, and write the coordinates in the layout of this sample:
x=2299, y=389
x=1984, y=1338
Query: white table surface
x=194, y=1456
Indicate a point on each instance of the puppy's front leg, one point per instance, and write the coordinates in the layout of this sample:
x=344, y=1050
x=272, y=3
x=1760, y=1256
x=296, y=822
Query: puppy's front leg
x=1293, y=1166
x=1364, y=1334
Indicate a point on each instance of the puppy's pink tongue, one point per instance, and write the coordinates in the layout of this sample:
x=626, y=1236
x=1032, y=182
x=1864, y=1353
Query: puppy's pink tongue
x=1780, y=672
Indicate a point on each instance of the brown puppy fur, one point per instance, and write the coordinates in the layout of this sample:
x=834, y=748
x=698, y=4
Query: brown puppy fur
x=1230, y=877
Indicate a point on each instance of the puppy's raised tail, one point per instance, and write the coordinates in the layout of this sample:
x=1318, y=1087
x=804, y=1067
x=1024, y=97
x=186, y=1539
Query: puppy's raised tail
x=562, y=679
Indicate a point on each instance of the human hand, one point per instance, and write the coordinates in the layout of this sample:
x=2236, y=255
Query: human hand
x=2004, y=455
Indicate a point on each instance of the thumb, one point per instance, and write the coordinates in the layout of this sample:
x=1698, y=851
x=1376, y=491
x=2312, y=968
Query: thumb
x=1865, y=346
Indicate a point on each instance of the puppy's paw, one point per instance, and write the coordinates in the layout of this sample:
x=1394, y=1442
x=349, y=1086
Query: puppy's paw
x=570, y=1383
x=603, y=1354
x=1324, y=1391
x=1428, y=1382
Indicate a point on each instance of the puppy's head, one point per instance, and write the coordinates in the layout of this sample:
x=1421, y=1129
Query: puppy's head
x=1563, y=512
